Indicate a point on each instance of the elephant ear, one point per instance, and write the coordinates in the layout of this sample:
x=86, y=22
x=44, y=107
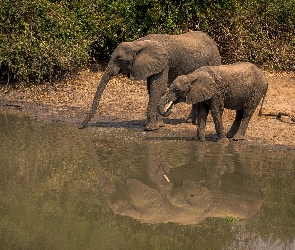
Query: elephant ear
x=151, y=58
x=202, y=88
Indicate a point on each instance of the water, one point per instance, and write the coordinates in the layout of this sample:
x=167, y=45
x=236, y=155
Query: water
x=112, y=188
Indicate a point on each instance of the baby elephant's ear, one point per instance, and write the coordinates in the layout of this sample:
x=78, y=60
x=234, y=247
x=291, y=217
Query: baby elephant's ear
x=202, y=88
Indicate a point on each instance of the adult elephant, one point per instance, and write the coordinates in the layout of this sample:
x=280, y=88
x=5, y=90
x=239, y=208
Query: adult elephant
x=159, y=58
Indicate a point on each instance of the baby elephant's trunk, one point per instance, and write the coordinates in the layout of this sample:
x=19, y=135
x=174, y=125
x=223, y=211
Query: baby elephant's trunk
x=166, y=103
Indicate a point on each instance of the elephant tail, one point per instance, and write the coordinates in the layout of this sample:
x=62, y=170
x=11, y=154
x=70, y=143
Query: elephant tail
x=278, y=115
x=261, y=106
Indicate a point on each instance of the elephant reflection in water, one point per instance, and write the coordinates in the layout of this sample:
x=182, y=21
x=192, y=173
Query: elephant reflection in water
x=186, y=194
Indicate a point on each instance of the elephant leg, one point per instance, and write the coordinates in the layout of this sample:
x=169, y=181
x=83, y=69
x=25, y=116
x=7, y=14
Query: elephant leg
x=193, y=114
x=247, y=114
x=216, y=112
x=202, y=113
x=236, y=124
x=156, y=85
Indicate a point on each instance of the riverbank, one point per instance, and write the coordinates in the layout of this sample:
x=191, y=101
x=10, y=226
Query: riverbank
x=124, y=103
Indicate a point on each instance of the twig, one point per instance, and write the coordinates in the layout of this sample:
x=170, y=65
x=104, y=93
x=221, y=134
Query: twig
x=279, y=115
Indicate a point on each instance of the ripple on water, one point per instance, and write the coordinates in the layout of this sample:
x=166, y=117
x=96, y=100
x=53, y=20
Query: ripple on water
x=50, y=186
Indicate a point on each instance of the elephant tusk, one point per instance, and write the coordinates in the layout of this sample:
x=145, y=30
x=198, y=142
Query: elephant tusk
x=168, y=106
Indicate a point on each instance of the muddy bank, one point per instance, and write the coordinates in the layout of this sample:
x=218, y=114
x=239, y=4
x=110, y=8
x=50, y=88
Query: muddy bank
x=124, y=103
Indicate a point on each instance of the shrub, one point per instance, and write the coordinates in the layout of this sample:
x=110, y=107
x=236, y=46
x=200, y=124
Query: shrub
x=261, y=32
x=44, y=39
x=39, y=40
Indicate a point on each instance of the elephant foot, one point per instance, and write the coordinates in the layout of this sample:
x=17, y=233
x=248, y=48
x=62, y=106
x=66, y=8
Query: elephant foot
x=201, y=138
x=230, y=134
x=189, y=120
x=154, y=125
x=200, y=135
x=238, y=138
x=223, y=140
x=150, y=128
x=161, y=123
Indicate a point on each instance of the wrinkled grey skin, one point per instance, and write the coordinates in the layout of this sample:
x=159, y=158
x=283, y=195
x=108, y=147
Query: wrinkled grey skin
x=159, y=59
x=238, y=86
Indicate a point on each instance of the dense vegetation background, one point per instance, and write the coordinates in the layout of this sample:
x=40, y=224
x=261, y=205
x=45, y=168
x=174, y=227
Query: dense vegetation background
x=42, y=40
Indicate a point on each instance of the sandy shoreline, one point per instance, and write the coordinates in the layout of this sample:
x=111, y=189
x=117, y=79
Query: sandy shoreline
x=124, y=103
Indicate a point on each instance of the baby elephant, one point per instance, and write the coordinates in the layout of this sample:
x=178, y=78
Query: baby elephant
x=238, y=86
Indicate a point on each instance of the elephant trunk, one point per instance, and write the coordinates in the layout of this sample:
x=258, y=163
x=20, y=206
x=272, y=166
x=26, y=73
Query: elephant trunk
x=166, y=103
x=107, y=75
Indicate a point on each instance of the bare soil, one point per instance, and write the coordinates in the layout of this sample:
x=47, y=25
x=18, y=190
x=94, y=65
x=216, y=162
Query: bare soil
x=124, y=103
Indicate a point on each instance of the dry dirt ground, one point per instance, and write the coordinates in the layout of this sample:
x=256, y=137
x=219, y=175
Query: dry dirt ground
x=124, y=103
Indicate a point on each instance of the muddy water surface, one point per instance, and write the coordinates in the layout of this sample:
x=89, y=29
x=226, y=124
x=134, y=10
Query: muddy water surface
x=113, y=188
